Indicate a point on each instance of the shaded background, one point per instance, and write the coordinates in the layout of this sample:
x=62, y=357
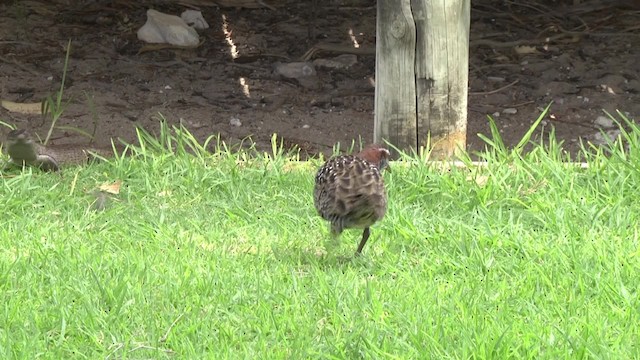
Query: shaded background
x=524, y=54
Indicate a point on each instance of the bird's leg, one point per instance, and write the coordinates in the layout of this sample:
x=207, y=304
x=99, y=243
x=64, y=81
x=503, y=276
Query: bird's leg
x=335, y=236
x=365, y=237
x=336, y=228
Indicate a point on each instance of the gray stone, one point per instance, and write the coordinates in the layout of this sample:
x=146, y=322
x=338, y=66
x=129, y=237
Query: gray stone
x=194, y=19
x=604, y=138
x=632, y=86
x=556, y=88
x=604, y=122
x=344, y=61
x=235, y=122
x=295, y=70
x=304, y=72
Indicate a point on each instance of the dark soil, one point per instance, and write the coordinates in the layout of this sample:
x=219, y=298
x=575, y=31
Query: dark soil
x=590, y=63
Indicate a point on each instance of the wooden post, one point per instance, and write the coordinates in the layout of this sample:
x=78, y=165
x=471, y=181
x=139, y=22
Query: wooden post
x=422, y=61
x=395, y=102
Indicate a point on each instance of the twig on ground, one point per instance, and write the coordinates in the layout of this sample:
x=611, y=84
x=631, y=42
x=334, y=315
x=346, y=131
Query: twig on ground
x=166, y=334
x=494, y=91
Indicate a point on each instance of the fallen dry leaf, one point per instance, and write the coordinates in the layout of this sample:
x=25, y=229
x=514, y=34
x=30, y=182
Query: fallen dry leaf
x=23, y=108
x=538, y=185
x=111, y=188
x=164, y=193
x=524, y=50
x=481, y=180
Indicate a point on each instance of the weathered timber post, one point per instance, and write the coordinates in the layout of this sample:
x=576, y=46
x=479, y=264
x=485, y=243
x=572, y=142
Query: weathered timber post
x=422, y=61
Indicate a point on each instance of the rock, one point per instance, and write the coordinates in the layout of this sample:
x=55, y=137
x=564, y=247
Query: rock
x=192, y=124
x=564, y=59
x=339, y=62
x=295, y=70
x=613, y=81
x=311, y=82
x=303, y=72
x=604, y=122
x=556, y=88
x=170, y=29
x=552, y=74
x=510, y=111
x=632, y=86
x=538, y=67
x=604, y=138
x=235, y=122
x=194, y=19
x=611, y=89
x=497, y=100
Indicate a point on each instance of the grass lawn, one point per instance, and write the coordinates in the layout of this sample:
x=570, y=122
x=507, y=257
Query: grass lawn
x=223, y=256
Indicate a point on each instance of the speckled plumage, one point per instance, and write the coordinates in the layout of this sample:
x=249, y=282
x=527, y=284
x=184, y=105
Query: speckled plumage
x=349, y=191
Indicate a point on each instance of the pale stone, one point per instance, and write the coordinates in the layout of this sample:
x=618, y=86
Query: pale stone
x=163, y=28
x=235, y=122
x=604, y=122
x=195, y=19
x=344, y=61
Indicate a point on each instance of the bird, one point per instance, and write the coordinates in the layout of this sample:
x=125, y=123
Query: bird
x=349, y=191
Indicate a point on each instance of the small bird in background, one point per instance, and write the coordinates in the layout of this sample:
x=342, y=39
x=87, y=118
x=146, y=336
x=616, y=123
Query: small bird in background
x=349, y=191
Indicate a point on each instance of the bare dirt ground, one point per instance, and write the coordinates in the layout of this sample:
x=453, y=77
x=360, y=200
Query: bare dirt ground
x=524, y=54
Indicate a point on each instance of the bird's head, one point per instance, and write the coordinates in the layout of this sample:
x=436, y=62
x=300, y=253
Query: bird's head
x=19, y=136
x=376, y=155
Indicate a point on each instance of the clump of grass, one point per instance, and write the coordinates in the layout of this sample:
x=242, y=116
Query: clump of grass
x=54, y=106
x=220, y=254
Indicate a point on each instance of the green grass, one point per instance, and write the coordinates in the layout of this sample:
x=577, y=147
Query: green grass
x=209, y=256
